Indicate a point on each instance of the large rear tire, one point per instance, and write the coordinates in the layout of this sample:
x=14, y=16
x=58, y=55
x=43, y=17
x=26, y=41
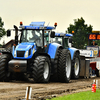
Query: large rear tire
x=41, y=69
x=54, y=76
x=64, y=66
x=76, y=66
x=4, y=75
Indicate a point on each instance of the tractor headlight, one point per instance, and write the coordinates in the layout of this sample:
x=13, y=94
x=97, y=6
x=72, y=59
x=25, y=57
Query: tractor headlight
x=15, y=54
x=26, y=54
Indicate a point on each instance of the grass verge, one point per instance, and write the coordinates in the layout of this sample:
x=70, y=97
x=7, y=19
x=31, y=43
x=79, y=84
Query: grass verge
x=88, y=95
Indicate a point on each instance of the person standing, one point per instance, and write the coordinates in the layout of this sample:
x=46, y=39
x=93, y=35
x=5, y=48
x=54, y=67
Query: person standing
x=94, y=43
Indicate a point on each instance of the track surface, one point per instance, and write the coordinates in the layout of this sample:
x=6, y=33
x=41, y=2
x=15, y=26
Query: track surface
x=16, y=90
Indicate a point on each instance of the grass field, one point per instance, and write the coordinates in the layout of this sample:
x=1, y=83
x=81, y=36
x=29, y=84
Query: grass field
x=88, y=95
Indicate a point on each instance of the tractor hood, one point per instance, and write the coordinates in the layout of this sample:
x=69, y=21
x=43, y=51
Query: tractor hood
x=25, y=46
x=24, y=50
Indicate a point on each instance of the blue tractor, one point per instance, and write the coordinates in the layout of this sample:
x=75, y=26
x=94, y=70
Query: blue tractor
x=34, y=56
x=66, y=41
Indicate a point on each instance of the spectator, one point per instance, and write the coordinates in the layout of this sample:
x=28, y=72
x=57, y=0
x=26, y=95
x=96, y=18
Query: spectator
x=94, y=43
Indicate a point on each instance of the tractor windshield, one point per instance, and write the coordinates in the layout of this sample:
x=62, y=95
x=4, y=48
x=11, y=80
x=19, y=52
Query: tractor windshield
x=57, y=40
x=32, y=36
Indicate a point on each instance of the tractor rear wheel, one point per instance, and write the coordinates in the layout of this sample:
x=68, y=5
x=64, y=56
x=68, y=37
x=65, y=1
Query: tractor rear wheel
x=4, y=75
x=54, y=77
x=64, y=66
x=75, y=66
x=41, y=69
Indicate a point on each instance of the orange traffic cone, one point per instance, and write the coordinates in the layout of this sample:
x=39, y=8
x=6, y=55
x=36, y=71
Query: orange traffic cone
x=93, y=87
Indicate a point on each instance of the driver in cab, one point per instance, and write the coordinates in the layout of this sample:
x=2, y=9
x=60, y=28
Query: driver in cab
x=34, y=37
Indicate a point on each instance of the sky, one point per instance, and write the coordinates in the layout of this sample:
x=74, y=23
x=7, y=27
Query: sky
x=61, y=11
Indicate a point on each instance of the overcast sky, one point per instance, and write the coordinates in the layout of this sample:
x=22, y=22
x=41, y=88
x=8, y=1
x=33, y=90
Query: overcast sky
x=61, y=11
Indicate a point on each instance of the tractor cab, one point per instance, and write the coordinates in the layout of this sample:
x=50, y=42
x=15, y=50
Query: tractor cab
x=34, y=38
x=64, y=39
x=36, y=32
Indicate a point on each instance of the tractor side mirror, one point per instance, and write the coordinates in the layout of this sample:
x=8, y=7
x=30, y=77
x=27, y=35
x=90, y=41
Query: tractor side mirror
x=52, y=35
x=70, y=40
x=8, y=33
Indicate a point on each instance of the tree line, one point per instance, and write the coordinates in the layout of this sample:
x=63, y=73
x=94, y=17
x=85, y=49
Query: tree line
x=80, y=35
x=81, y=31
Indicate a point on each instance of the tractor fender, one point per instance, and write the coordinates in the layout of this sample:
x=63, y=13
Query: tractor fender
x=73, y=51
x=52, y=49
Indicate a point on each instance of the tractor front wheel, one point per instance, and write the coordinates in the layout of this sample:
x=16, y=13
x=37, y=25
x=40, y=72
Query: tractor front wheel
x=41, y=69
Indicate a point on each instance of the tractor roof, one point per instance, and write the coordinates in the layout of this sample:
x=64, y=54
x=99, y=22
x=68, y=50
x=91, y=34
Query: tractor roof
x=63, y=35
x=37, y=25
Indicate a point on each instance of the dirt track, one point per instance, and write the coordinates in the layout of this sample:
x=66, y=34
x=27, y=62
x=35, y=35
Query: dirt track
x=16, y=90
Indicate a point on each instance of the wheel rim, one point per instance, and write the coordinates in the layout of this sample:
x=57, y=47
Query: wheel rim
x=76, y=66
x=46, y=70
x=68, y=67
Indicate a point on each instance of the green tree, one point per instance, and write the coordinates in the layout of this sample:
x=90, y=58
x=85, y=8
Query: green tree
x=80, y=35
x=2, y=30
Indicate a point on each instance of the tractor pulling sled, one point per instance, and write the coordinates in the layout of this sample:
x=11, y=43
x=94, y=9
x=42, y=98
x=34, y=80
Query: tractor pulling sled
x=90, y=60
x=35, y=56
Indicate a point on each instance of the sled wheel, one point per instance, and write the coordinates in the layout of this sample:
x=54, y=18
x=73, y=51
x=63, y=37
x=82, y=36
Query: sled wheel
x=97, y=73
x=41, y=69
x=64, y=66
